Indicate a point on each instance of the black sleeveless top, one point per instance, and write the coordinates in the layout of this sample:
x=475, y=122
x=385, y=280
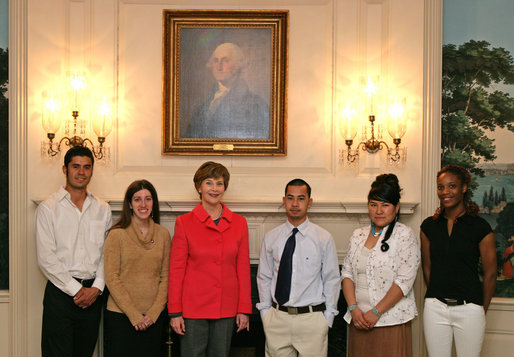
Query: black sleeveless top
x=454, y=259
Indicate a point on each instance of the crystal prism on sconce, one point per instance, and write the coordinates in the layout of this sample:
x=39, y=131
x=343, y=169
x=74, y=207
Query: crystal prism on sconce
x=371, y=140
x=75, y=127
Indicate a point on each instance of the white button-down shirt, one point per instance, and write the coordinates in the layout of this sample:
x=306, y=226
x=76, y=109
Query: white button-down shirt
x=398, y=265
x=315, y=278
x=70, y=242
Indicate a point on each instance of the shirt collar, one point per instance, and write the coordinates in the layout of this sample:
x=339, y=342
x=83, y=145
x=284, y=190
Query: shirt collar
x=62, y=193
x=302, y=228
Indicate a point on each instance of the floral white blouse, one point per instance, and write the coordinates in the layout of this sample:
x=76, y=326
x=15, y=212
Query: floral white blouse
x=398, y=265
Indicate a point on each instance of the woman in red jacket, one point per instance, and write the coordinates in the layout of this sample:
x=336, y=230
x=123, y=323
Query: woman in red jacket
x=209, y=279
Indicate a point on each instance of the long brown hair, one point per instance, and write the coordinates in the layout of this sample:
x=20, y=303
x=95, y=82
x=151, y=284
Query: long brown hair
x=126, y=212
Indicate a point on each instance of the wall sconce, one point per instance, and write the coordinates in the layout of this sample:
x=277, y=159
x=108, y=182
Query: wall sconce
x=75, y=128
x=371, y=140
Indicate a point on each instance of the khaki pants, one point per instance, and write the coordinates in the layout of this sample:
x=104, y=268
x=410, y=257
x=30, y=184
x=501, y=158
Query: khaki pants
x=303, y=335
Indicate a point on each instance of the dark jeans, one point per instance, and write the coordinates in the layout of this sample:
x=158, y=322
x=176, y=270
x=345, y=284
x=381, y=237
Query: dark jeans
x=68, y=330
x=122, y=339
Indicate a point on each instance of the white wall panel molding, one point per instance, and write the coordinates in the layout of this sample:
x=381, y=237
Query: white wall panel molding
x=18, y=201
x=149, y=13
x=374, y=39
x=4, y=296
x=502, y=304
x=431, y=136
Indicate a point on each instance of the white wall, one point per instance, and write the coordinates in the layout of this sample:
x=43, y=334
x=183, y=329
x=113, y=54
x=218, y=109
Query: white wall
x=333, y=45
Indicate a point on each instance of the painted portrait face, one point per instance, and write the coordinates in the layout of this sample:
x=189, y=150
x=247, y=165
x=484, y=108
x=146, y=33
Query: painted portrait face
x=223, y=66
x=450, y=190
x=297, y=202
x=212, y=190
x=79, y=172
x=226, y=62
x=382, y=213
x=141, y=204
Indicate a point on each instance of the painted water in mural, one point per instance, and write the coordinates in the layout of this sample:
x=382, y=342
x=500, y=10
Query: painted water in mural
x=495, y=195
x=478, y=114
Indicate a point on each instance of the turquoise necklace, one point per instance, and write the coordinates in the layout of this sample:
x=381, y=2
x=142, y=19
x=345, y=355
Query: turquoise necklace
x=373, y=230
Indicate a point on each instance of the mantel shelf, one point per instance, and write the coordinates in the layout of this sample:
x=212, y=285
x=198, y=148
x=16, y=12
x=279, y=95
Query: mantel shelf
x=328, y=207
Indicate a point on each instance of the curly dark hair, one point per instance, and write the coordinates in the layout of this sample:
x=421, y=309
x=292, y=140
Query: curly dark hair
x=386, y=188
x=464, y=177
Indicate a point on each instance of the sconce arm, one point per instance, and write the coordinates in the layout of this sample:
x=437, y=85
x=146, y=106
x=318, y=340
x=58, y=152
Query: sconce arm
x=98, y=154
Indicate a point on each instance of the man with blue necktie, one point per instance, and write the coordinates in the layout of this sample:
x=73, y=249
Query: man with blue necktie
x=298, y=280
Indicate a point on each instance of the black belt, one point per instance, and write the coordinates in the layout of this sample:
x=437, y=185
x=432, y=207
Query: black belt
x=452, y=302
x=87, y=283
x=301, y=309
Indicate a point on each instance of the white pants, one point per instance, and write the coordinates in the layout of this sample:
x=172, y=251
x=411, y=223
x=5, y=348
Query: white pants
x=442, y=323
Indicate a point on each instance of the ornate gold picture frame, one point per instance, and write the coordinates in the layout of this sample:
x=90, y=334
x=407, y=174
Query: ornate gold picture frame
x=224, y=82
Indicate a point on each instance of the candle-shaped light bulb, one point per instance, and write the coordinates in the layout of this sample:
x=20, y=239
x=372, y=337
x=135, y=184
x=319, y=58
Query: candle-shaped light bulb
x=102, y=122
x=371, y=91
x=50, y=118
x=397, y=124
x=77, y=87
x=348, y=126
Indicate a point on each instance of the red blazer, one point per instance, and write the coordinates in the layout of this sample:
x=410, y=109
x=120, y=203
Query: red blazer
x=209, y=266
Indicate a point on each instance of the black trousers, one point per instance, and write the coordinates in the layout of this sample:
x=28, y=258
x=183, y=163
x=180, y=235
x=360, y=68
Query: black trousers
x=68, y=330
x=122, y=339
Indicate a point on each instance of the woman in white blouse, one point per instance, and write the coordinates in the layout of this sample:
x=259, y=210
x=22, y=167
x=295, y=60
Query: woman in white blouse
x=378, y=273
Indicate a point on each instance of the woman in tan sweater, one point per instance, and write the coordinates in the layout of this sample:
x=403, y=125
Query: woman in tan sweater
x=136, y=259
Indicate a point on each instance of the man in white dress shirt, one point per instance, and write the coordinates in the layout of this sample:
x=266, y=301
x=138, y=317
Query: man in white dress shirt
x=298, y=280
x=71, y=228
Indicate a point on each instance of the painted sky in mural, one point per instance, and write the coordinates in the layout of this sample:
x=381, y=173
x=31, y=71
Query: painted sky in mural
x=490, y=21
x=4, y=24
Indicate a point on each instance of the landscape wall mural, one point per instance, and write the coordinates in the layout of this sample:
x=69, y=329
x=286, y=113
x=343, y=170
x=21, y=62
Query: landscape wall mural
x=478, y=114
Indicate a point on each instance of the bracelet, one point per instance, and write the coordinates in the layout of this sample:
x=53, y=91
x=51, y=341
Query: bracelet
x=375, y=311
x=351, y=307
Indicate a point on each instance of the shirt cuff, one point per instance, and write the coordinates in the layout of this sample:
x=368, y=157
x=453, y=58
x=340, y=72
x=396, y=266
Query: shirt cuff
x=99, y=284
x=73, y=287
x=263, y=312
x=329, y=316
x=403, y=287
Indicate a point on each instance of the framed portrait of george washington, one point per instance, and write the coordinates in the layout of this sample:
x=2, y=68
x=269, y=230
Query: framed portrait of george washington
x=224, y=82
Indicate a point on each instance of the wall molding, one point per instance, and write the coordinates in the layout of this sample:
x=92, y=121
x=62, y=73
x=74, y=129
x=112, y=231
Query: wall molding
x=4, y=297
x=431, y=139
x=502, y=304
x=18, y=201
x=270, y=207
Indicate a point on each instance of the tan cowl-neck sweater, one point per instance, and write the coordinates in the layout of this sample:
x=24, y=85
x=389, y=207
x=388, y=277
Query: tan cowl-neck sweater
x=136, y=271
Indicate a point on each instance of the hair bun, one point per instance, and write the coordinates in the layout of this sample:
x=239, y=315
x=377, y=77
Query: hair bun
x=390, y=179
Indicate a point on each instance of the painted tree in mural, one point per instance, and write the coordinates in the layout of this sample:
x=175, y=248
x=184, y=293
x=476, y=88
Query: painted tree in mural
x=471, y=104
x=4, y=171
